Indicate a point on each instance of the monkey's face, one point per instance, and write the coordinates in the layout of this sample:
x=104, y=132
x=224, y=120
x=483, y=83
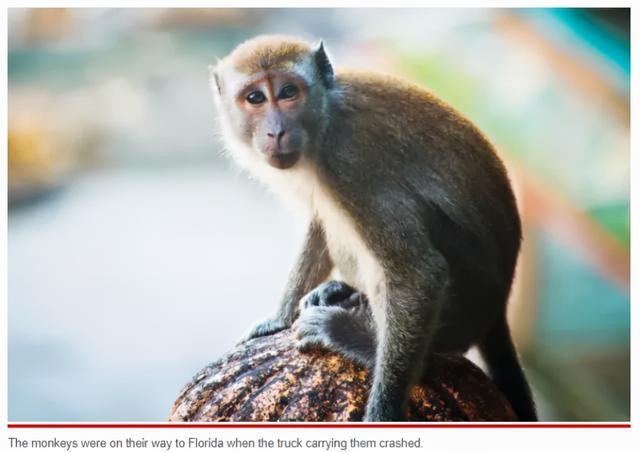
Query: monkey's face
x=272, y=95
x=273, y=107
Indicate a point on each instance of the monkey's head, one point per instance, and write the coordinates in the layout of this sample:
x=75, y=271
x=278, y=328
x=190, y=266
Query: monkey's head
x=272, y=98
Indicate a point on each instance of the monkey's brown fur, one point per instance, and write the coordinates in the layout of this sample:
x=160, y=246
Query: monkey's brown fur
x=260, y=54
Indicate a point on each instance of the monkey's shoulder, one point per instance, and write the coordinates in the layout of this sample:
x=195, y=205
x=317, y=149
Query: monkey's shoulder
x=405, y=118
x=383, y=102
x=365, y=88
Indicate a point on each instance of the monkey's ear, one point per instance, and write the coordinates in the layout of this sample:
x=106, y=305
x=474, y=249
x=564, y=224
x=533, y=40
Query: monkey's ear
x=323, y=65
x=215, y=78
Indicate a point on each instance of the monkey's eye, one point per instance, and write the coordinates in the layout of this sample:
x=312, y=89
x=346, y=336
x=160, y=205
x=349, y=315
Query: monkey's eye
x=256, y=97
x=288, y=91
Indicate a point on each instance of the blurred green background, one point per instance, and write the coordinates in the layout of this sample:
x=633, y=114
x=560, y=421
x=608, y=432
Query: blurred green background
x=137, y=253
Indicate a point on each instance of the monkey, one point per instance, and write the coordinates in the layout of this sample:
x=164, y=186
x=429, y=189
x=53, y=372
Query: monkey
x=410, y=210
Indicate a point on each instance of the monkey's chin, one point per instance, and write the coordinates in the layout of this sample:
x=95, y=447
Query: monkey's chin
x=283, y=161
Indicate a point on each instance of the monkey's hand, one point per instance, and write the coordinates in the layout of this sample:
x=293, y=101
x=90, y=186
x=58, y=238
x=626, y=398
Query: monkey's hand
x=266, y=328
x=337, y=318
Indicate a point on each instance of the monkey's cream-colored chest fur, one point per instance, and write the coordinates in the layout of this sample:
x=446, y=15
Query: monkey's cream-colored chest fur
x=356, y=264
x=353, y=259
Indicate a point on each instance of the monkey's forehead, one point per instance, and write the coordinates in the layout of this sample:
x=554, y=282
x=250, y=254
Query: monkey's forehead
x=270, y=52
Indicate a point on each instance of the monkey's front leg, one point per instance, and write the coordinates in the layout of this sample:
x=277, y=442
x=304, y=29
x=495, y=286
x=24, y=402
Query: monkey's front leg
x=335, y=317
x=312, y=267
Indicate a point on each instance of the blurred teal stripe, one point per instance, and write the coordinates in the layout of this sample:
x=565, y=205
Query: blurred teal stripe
x=607, y=44
x=573, y=27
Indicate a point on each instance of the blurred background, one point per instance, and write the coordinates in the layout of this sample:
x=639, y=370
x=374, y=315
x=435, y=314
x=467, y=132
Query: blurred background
x=137, y=253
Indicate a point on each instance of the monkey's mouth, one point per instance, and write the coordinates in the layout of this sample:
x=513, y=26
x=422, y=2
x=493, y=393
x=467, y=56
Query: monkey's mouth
x=283, y=160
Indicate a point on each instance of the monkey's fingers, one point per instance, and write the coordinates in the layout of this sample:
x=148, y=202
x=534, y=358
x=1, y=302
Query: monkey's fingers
x=311, y=330
x=265, y=328
x=311, y=343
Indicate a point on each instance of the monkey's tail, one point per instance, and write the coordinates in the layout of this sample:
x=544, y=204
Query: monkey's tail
x=499, y=353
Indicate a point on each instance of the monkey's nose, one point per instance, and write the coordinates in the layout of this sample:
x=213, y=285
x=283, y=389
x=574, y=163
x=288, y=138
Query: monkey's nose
x=276, y=135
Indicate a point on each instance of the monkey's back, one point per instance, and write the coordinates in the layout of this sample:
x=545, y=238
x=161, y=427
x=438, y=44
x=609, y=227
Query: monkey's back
x=409, y=127
x=441, y=181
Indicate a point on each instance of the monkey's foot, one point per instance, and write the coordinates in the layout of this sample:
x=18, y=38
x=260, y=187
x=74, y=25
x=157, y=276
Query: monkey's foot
x=333, y=293
x=337, y=318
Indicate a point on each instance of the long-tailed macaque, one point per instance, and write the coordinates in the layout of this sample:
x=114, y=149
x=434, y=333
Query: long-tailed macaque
x=407, y=200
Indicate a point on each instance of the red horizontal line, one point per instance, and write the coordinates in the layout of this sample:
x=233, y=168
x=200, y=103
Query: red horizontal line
x=215, y=425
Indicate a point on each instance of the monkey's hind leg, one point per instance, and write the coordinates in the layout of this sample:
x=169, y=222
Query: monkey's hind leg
x=335, y=317
x=499, y=353
x=410, y=304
